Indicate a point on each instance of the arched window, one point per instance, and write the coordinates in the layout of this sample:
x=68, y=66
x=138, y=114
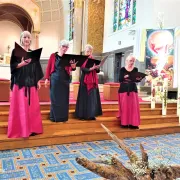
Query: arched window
x=71, y=19
x=124, y=14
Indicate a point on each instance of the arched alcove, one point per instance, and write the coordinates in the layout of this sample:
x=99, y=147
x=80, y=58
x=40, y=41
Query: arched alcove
x=26, y=14
x=14, y=13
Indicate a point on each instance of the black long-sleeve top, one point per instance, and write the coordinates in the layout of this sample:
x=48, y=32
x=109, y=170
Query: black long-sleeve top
x=126, y=85
x=26, y=76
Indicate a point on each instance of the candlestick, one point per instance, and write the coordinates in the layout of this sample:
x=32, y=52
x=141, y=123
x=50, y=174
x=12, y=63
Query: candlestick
x=153, y=92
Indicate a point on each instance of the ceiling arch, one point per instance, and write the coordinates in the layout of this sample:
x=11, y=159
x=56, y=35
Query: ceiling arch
x=16, y=14
x=51, y=10
x=29, y=9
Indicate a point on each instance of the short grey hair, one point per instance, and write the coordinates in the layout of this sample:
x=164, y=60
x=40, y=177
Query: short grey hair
x=64, y=43
x=24, y=33
x=130, y=56
x=88, y=46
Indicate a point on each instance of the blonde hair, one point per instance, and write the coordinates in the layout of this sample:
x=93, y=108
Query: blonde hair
x=24, y=33
x=64, y=43
x=88, y=46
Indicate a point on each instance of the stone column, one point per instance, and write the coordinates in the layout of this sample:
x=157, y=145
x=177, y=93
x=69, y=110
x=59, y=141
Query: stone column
x=77, y=39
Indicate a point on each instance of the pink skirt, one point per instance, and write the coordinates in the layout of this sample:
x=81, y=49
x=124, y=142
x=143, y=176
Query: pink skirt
x=24, y=118
x=129, y=110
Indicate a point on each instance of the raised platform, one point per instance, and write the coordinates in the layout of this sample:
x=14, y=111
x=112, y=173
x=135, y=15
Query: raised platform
x=108, y=91
x=152, y=123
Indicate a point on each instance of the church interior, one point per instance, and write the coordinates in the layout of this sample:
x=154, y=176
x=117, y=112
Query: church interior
x=147, y=29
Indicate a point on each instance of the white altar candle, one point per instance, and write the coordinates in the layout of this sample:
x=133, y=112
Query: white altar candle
x=178, y=97
x=177, y=57
x=164, y=100
x=178, y=101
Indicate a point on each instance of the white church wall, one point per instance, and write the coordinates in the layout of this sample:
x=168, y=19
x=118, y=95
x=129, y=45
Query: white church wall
x=170, y=9
x=10, y=33
x=147, y=13
x=49, y=38
x=121, y=39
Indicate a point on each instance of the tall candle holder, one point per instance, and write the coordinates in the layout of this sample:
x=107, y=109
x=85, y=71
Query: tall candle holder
x=153, y=93
x=164, y=100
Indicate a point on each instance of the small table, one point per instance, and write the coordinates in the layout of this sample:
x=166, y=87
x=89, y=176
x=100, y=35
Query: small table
x=110, y=91
x=5, y=90
x=75, y=90
x=44, y=94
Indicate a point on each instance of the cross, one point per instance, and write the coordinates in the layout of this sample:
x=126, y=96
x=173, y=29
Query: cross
x=8, y=48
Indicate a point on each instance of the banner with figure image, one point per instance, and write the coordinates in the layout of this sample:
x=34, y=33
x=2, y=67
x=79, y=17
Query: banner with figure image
x=159, y=55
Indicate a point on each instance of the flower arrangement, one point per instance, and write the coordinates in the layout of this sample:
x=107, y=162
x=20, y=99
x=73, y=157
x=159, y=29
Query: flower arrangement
x=153, y=75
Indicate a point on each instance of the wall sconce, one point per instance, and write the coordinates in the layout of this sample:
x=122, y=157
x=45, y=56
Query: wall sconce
x=35, y=11
x=132, y=32
x=119, y=42
x=78, y=3
x=98, y=1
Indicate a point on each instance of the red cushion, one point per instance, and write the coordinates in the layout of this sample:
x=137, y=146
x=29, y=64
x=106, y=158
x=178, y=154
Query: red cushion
x=112, y=84
x=3, y=79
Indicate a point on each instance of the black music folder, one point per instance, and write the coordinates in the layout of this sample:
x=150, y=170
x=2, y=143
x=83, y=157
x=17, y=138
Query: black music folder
x=66, y=59
x=135, y=75
x=91, y=62
x=34, y=55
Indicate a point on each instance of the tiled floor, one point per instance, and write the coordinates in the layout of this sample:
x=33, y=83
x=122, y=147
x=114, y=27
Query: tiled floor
x=58, y=162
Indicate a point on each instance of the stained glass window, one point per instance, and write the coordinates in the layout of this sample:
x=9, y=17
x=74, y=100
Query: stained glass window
x=134, y=12
x=71, y=19
x=115, y=15
x=124, y=14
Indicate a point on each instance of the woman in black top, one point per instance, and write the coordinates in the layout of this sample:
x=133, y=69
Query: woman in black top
x=129, y=111
x=24, y=116
x=88, y=104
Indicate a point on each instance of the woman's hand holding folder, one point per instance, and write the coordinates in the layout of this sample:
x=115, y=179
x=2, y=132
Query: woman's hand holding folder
x=23, y=62
x=27, y=61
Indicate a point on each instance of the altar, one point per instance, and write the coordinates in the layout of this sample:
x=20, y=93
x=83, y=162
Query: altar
x=5, y=71
x=5, y=76
x=5, y=65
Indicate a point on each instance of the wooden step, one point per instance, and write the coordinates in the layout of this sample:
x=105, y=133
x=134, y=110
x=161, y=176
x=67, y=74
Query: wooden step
x=51, y=127
x=143, y=111
x=106, y=113
x=87, y=134
x=110, y=105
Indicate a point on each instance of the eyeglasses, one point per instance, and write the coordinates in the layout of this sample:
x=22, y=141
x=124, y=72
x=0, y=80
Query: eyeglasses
x=65, y=46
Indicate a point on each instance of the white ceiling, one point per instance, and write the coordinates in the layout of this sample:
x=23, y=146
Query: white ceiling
x=51, y=10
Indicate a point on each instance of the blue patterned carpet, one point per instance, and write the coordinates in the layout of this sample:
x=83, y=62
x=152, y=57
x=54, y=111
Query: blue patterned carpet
x=58, y=162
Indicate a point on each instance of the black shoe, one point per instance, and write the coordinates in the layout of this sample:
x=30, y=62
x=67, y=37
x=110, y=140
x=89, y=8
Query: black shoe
x=52, y=120
x=33, y=134
x=133, y=127
x=122, y=126
x=91, y=118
